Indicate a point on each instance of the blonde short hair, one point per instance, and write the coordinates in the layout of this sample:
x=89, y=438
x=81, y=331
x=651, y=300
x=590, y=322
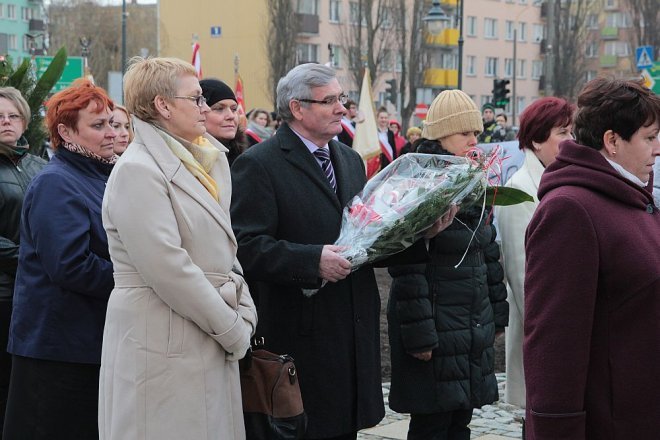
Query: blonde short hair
x=147, y=78
x=413, y=130
x=14, y=95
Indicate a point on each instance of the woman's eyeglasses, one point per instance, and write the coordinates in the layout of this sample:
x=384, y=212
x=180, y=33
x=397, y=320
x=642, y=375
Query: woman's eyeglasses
x=11, y=117
x=199, y=100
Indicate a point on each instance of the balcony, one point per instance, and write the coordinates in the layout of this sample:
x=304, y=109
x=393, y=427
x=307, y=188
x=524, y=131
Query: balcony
x=37, y=25
x=448, y=37
x=441, y=78
x=308, y=24
x=609, y=33
x=608, y=60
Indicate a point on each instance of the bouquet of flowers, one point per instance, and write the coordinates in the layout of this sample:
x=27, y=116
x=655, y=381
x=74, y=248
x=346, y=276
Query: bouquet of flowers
x=400, y=203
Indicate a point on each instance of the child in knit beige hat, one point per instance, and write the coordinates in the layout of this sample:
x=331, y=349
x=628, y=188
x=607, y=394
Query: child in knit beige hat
x=455, y=120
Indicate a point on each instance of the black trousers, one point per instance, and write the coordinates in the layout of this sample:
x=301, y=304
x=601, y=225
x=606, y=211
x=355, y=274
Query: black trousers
x=452, y=425
x=52, y=400
x=5, y=358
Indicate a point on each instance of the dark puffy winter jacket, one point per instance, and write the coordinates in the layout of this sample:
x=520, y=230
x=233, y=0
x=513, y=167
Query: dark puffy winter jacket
x=454, y=311
x=15, y=175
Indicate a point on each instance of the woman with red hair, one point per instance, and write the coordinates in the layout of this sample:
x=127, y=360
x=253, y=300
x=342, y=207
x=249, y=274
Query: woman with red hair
x=64, y=276
x=543, y=125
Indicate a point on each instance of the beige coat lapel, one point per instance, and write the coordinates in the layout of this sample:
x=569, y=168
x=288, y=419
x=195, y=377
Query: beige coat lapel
x=179, y=176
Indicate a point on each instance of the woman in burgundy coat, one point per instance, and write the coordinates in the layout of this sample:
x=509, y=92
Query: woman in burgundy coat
x=592, y=284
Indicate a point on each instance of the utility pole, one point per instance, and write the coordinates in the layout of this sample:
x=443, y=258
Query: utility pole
x=124, y=15
x=514, y=97
x=549, y=56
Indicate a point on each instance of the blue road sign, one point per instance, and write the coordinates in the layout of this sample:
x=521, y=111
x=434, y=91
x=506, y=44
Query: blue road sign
x=644, y=57
x=216, y=31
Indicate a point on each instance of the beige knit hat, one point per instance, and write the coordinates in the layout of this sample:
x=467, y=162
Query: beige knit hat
x=451, y=112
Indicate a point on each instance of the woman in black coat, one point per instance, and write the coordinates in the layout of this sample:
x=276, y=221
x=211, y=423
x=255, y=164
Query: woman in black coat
x=443, y=319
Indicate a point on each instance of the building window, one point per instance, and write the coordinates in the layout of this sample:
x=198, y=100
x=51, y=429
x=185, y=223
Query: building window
x=491, y=66
x=522, y=31
x=399, y=62
x=520, y=104
x=521, y=69
x=590, y=74
x=387, y=61
x=11, y=12
x=26, y=43
x=354, y=13
x=471, y=65
x=386, y=18
x=308, y=7
x=508, y=30
x=538, y=31
x=335, y=11
x=336, y=56
x=522, y=2
x=537, y=69
x=471, y=27
x=592, y=21
x=490, y=28
x=449, y=61
x=592, y=49
x=26, y=14
x=508, y=67
x=485, y=99
x=618, y=19
x=618, y=48
x=308, y=53
x=11, y=42
x=610, y=4
x=2, y=10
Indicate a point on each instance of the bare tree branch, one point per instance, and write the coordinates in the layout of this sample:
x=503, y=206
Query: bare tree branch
x=283, y=28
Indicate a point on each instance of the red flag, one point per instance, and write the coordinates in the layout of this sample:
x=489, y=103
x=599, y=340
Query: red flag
x=239, y=93
x=196, y=60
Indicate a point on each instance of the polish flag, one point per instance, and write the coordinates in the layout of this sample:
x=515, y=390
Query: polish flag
x=196, y=60
x=239, y=92
x=366, y=141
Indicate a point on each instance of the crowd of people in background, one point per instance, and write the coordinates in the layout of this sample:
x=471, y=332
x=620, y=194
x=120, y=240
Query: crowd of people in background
x=138, y=263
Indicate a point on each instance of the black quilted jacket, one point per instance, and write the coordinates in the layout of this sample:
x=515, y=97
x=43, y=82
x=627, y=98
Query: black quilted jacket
x=454, y=311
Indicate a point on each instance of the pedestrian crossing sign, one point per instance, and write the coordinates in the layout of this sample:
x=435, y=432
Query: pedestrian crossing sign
x=644, y=57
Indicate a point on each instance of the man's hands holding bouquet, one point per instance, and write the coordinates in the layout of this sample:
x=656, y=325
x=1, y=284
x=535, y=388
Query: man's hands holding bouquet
x=414, y=197
x=334, y=267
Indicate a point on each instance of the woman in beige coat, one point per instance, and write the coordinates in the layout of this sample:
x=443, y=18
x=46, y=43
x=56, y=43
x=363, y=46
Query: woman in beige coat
x=180, y=316
x=543, y=125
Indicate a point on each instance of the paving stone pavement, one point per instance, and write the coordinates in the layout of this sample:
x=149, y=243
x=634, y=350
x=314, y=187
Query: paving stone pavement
x=491, y=422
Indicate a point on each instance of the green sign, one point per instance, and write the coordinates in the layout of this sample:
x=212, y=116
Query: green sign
x=654, y=73
x=72, y=71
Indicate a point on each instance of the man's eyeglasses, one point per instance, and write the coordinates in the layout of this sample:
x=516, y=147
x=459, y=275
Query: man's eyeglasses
x=11, y=117
x=199, y=100
x=331, y=100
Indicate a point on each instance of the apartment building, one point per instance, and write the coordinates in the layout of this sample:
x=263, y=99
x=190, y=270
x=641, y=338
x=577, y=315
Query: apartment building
x=237, y=36
x=22, y=29
x=610, y=44
x=503, y=37
x=487, y=53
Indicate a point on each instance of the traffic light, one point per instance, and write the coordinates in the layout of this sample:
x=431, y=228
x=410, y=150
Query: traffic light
x=391, y=91
x=500, y=93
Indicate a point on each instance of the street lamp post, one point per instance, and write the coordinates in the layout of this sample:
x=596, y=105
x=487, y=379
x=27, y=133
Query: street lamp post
x=436, y=21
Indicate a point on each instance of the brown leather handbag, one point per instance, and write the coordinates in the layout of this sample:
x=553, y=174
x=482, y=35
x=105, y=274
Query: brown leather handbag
x=272, y=403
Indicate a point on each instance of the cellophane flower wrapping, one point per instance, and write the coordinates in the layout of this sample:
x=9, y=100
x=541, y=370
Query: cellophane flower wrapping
x=401, y=202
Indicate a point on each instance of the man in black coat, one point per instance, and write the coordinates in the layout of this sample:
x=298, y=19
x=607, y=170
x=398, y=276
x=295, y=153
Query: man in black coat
x=286, y=208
